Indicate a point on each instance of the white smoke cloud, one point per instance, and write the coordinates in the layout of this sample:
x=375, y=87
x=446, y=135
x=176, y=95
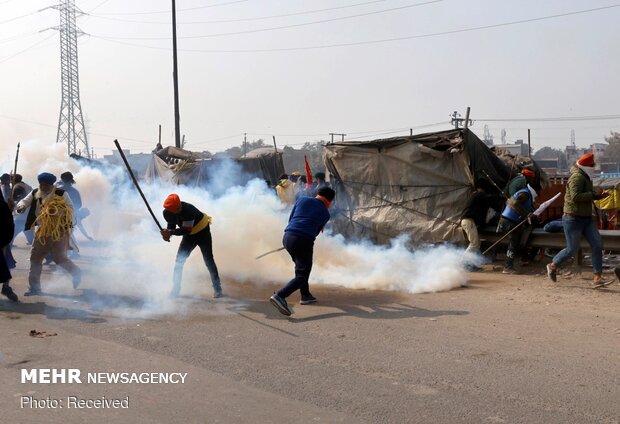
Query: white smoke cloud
x=131, y=259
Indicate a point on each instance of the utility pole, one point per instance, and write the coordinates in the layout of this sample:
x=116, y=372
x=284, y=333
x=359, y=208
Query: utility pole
x=340, y=134
x=467, y=120
x=175, y=78
x=71, y=128
x=458, y=122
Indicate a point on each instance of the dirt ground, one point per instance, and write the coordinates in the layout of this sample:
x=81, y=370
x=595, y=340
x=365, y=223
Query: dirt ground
x=509, y=348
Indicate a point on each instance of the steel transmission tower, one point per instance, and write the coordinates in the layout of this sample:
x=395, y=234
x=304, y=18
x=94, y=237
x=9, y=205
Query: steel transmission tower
x=70, y=123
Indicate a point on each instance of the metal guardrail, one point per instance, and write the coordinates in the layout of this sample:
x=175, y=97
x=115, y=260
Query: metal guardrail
x=543, y=239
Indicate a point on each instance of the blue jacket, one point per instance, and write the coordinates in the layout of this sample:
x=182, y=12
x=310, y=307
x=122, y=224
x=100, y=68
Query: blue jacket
x=510, y=213
x=308, y=217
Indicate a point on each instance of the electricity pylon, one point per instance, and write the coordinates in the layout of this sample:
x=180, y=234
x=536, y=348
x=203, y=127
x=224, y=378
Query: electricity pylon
x=71, y=128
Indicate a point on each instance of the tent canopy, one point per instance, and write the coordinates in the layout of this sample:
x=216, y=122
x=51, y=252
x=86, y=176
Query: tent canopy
x=416, y=185
x=190, y=168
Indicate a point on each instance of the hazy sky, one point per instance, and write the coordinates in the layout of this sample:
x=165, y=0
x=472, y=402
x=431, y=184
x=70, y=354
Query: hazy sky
x=561, y=67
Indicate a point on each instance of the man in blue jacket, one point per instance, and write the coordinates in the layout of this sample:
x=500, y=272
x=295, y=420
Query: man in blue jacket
x=307, y=219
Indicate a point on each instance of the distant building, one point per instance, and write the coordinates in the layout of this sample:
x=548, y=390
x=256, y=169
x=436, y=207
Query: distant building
x=518, y=148
x=550, y=166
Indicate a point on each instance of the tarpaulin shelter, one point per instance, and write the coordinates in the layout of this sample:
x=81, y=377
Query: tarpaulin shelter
x=416, y=185
x=190, y=168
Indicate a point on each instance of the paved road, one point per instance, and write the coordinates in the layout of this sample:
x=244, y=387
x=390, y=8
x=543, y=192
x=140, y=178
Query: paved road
x=512, y=349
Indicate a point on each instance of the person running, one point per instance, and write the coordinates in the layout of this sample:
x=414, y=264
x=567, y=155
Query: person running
x=577, y=219
x=194, y=228
x=306, y=221
x=51, y=211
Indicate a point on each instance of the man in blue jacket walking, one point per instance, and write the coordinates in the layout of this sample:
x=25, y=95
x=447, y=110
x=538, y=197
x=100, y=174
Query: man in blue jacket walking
x=307, y=219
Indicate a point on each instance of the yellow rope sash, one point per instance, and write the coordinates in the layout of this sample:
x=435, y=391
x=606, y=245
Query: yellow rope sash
x=55, y=220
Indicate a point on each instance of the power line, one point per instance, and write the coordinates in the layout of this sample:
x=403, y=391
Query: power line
x=178, y=10
x=32, y=46
x=19, y=17
x=97, y=7
x=359, y=43
x=224, y=34
x=18, y=36
x=558, y=119
x=307, y=12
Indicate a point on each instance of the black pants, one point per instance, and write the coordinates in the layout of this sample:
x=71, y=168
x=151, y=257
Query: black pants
x=189, y=243
x=516, y=243
x=5, y=274
x=300, y=248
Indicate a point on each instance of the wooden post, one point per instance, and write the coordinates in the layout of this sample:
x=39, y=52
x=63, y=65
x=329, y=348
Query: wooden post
x=274, y=143
x=175, y=78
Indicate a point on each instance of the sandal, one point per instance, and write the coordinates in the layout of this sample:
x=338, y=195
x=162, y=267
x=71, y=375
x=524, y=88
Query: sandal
x=601, y=282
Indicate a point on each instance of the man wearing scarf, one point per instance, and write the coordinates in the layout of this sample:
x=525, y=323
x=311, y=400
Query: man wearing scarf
x=578, y=221
x=45, y=244
x=519, y=206
x=193, y=225
x=306, y=221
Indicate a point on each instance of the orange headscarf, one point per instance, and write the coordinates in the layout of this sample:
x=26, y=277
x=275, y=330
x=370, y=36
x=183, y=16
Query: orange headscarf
x=172, y=203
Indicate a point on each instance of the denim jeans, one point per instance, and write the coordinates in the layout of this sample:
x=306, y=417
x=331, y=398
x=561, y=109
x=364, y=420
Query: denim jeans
x=574, y=228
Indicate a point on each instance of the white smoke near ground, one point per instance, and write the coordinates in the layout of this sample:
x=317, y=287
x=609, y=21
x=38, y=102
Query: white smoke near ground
x=130, y=267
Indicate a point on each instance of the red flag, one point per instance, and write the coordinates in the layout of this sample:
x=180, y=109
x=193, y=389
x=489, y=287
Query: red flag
x=308, y=173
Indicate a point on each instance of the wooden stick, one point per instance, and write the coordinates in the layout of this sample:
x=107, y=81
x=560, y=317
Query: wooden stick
x=270, y=252
x=505, y=235
x=135, y=182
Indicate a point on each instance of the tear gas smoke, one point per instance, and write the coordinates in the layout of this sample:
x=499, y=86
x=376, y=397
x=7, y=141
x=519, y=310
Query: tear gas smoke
x=132, y=260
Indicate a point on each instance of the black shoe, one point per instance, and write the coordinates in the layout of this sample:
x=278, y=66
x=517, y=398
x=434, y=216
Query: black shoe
x=280, y=304
x=33, y=292
x=8, y=292
x=552, y=273
x=217, y=293
x=307, y=300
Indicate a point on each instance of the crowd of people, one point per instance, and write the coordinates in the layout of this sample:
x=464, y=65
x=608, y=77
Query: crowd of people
x=48, y=214
x=517, y=218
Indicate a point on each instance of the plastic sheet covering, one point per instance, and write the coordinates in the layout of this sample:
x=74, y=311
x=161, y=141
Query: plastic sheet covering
x=417, y=185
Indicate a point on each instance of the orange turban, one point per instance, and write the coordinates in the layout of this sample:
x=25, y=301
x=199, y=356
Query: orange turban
x=172, y=203
x=528, y=173
x=586, y=160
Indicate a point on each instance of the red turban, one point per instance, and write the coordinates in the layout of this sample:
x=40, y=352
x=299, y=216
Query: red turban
x=586, y=160
x=172, y=203
x=528, y=173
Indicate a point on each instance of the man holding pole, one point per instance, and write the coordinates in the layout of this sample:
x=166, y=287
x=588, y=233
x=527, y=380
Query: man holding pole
x=519, y=207
x=193, y=226
x=307, y=219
